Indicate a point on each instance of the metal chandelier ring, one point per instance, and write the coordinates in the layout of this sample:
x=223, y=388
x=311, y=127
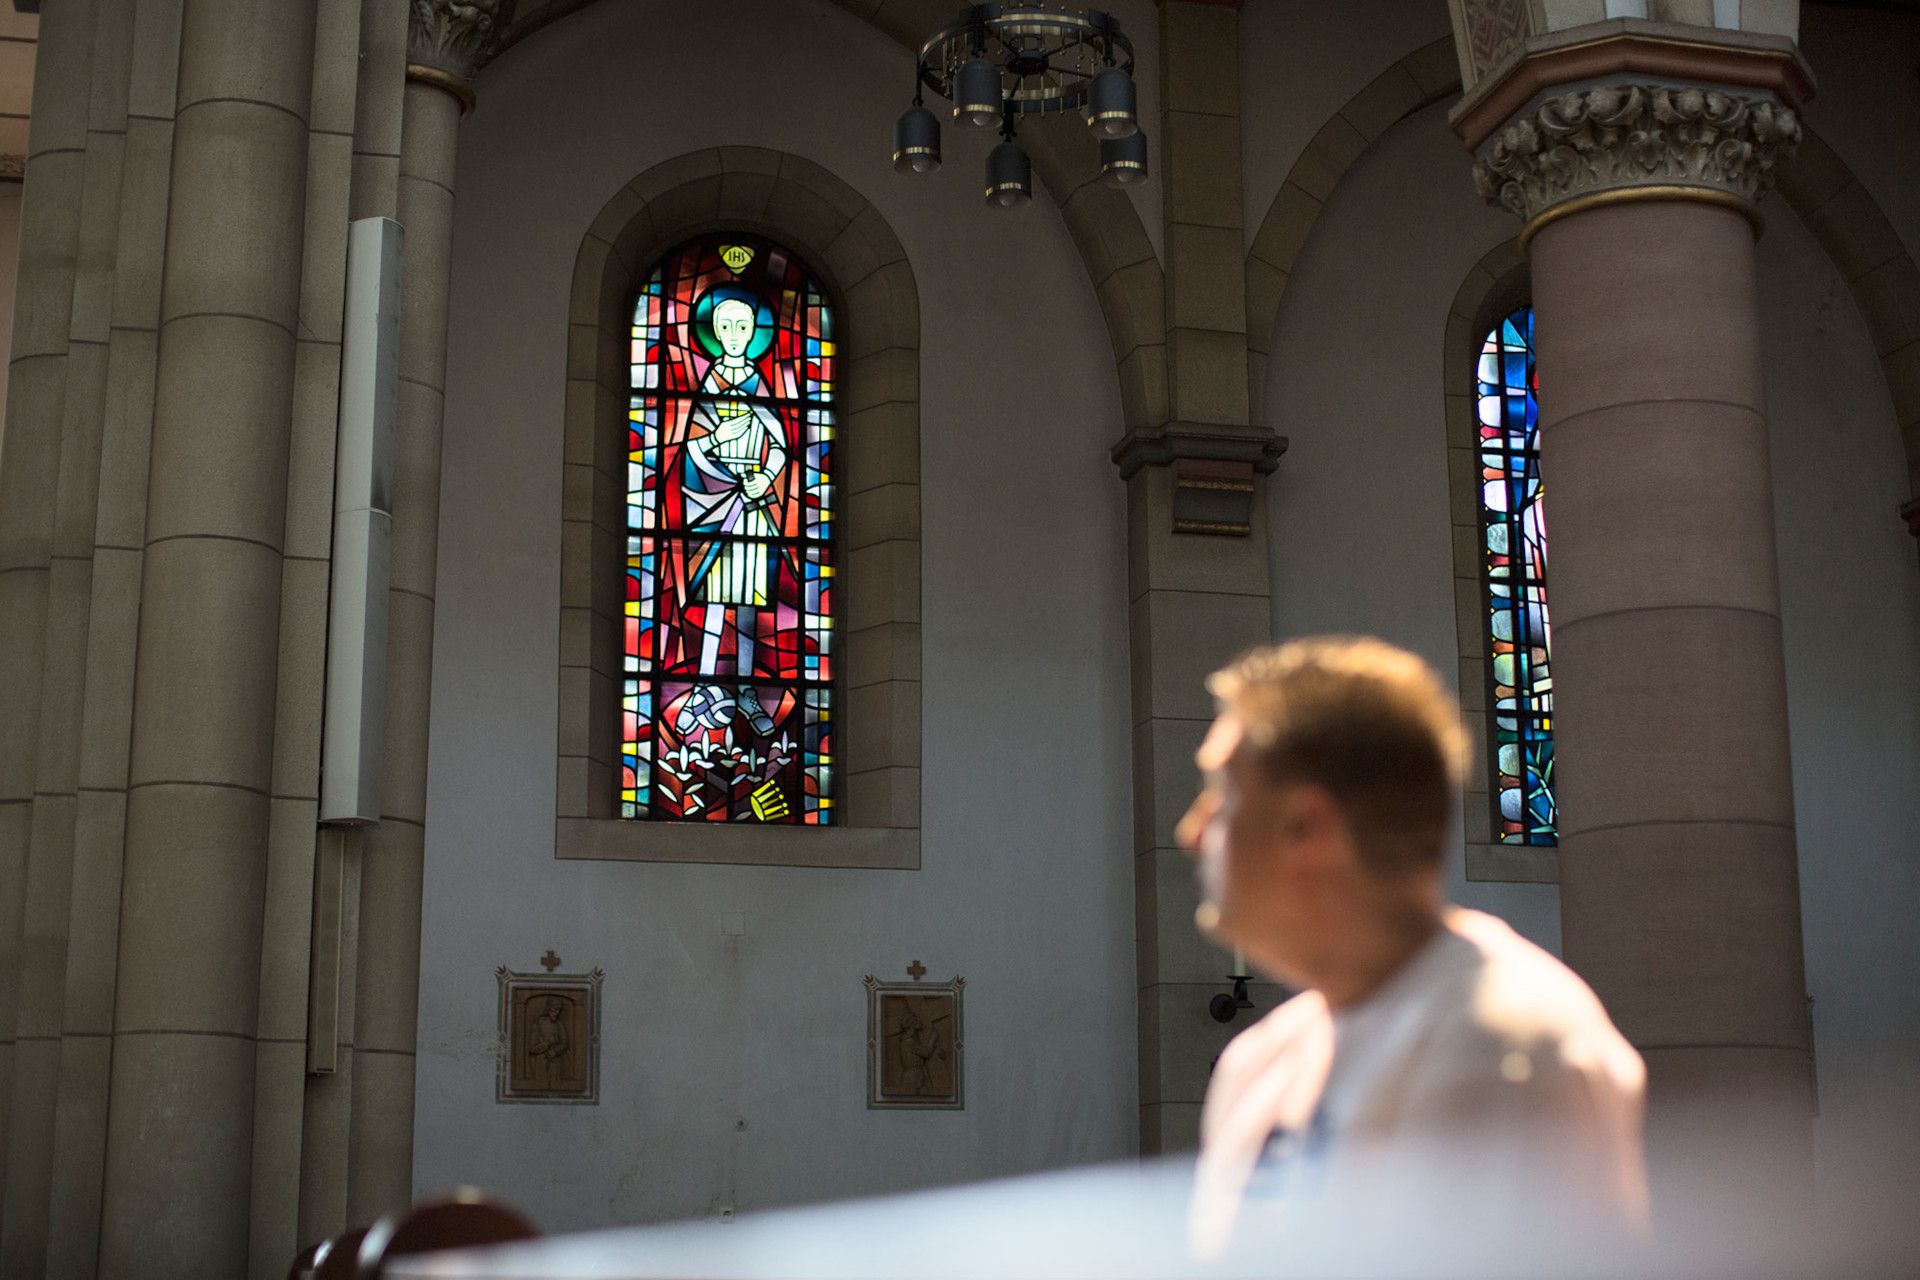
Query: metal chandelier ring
x=1050, y=55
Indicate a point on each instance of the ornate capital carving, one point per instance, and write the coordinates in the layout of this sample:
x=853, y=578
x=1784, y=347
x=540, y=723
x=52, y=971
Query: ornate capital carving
x=455, y=37
x=1618, y=137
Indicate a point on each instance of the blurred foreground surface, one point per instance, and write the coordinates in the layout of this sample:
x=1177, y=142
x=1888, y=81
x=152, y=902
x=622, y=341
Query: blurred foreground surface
x=1131, y=1220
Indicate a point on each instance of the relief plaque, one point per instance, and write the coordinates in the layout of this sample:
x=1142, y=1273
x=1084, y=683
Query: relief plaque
x=914, y=1044
x=549, y=1036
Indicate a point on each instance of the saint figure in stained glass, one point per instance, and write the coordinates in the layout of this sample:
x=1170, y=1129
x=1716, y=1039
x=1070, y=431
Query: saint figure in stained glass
x=728, y=701
x=732, y=467
x=1514, y=548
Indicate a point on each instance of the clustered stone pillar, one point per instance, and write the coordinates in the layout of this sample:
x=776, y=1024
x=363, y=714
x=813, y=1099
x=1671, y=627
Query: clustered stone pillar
x=1679, y=882
x=165, y=494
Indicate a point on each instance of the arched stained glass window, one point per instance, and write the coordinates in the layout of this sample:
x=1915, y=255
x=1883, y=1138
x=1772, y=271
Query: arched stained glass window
x=1514, y=542
x=727, y=710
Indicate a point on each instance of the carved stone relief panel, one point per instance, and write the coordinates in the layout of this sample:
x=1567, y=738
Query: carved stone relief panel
x=914, y=1045
x=549, y=1037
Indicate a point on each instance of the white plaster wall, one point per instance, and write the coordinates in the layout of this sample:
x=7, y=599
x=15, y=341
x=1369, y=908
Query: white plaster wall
x=1850, y=612
x=1360, y=530
x=733, y=1066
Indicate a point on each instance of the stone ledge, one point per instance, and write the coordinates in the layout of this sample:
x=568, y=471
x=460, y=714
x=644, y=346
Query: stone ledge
x=1257, y=446
x=623, y=840
x=1513, y=863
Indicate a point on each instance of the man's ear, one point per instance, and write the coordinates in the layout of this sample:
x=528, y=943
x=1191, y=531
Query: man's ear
x=1316, y=830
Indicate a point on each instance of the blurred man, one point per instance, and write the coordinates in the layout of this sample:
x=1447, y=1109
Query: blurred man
x=1435, y=1062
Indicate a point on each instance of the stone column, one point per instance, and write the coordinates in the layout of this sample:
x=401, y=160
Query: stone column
x=1198, y=569
x=36, y=1165
x=325, y=1147
x=30, y=461
x=293, y=840
x=93, y=923
x=447, y=43
x=180, y=1129
x=1679, y=897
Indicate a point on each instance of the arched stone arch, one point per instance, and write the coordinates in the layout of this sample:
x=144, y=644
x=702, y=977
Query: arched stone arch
x=1420, y=79
x=1494, y=286
x=1849, y=224
x=859, y=262
x=1818, y=186
x=1121, y=265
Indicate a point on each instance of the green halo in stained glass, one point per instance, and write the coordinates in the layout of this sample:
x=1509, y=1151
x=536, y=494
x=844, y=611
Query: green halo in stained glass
x=763, y=326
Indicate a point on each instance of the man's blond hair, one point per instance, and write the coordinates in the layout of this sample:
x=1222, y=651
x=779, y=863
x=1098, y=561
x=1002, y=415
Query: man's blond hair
x=1370, y=723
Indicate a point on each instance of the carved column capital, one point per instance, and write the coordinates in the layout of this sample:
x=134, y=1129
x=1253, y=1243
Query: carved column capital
x=1638, y=140
x=1627, y=109
x=448, y=41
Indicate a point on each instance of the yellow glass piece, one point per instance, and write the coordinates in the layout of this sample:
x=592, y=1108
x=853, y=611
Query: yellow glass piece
x=736, y=256
x=768, y=804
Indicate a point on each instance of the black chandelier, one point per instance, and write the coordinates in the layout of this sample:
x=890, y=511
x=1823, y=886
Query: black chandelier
x=998, y=62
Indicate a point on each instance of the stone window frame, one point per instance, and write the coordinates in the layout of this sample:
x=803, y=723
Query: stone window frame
x=1494, y=287
x=864, y=272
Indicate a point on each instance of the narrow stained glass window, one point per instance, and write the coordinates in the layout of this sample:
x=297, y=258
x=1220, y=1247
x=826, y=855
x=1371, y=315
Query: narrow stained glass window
x=727, y=708
x=1514, y=541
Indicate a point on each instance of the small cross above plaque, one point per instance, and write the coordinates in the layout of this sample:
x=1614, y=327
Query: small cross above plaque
x=916, y=971
x=550, y=961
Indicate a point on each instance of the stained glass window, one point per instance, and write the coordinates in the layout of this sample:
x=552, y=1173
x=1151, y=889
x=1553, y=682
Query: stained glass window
x=1514, y=541
x=727, y=704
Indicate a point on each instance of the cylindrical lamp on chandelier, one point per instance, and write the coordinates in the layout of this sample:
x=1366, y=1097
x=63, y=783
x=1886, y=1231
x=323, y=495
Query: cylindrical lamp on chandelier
x=916, y=141
x=1111, y=105
x=1009, y=175
x=976, y=93
x=1123, y=161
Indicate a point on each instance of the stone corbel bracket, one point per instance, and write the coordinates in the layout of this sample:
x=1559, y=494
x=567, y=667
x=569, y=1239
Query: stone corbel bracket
x=1632, y=110
x=1214, y=470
